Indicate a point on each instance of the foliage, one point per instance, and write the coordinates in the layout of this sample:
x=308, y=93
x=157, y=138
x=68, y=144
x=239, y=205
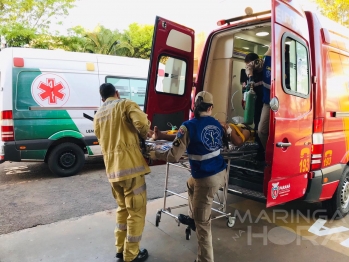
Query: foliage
x=34, y=14
x=105, y=41
x=26, y=23
x=17, y=35
x=23, y=20
x=67, y=43
x=337, y=10
x=140, y=37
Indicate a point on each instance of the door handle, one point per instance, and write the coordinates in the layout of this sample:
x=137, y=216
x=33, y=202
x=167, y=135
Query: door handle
x=281, y=144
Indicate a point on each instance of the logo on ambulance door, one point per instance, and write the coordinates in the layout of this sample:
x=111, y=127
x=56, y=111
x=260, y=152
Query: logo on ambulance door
x=274, y=190
x=50, y=90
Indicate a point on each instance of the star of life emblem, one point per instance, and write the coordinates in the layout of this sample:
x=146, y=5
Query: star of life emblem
x=50, y=90
x=211, y=138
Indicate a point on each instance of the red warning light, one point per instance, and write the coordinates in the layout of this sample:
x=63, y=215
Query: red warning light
x=18, y=62
x=221, y=22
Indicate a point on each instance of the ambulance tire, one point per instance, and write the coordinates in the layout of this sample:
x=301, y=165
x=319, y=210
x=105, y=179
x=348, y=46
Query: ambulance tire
x=66, y=159
x=338, y=206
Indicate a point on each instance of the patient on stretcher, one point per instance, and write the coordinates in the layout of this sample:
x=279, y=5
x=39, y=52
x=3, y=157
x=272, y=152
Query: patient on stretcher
x=236, y=134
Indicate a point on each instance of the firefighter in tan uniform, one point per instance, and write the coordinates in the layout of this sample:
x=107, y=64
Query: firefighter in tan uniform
x=118, y=124
x=202, y=138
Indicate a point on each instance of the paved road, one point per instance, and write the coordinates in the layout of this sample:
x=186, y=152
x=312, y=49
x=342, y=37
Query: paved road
x=31, y=195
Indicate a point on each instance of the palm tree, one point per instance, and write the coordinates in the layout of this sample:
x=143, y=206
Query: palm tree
x=104, y=41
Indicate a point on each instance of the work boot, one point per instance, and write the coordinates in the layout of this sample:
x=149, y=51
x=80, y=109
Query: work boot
x=187, y=220
x=142, y=255
x=119, y=257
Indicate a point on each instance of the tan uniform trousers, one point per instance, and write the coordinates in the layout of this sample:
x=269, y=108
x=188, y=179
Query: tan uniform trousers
x=131, y=197
x=201, y=193
x=263, y=126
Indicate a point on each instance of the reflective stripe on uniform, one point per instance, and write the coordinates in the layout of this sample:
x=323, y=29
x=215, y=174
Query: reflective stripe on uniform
x=121, y=227
x=205, y=157
x=134, y=239
x=140, y=189
x=126, y=172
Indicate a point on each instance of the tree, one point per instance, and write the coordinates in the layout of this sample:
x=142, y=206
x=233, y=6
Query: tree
x=22, y=20
x=17, y=35
x=337, y=10
x=74, y=41
x=105, y=41
x=34, y=14
x=140, y=37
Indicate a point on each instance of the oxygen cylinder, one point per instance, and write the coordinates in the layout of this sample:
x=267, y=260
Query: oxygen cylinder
x=250, y=105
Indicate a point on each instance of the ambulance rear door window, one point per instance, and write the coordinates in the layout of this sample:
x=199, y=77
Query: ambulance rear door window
x=171, y=75
x=295, y=66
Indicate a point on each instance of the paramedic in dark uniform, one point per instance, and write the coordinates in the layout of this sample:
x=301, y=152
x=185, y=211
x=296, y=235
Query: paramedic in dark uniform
x=254, y=67
x=202, y=138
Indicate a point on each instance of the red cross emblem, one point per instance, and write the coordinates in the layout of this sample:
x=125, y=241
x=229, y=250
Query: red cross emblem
x=51, y=90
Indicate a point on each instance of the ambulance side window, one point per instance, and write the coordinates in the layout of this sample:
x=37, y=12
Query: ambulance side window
x=130, y=88
x=171, y=75
x=295, y=66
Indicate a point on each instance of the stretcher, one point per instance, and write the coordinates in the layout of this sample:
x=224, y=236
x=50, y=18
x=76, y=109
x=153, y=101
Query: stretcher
x=246, y=152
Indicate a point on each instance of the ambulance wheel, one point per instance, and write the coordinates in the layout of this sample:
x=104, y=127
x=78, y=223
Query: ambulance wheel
x=338, y=206
x=66, y=159
x=157, y=219
x=187, y=233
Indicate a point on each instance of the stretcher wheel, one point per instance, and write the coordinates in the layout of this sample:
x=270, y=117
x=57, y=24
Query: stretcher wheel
x=157, y=219
x=187, y=233
x=231, y=222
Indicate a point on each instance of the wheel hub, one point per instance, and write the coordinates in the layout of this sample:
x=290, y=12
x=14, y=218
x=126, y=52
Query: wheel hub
x=345, y=194
x=67, y=159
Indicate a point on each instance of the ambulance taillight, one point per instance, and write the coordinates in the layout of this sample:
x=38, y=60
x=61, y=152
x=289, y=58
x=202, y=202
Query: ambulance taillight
x=6, y=122
x=318, y=144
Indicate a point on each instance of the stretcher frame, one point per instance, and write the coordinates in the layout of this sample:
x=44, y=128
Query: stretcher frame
x=222, y=205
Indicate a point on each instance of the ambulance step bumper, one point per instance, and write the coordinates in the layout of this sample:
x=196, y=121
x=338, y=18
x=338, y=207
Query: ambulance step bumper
x=247, y=193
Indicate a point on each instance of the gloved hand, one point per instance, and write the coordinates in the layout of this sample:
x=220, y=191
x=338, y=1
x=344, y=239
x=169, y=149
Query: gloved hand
x=243, y=104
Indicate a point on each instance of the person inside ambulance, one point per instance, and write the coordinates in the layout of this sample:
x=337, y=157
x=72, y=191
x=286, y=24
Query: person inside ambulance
x=202, y=138
x=263, y=127
x=254, y=67
x=118, y=124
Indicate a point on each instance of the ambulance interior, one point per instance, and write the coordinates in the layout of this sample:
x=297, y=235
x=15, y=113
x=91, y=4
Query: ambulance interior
x=225, y=67
x=223, y=78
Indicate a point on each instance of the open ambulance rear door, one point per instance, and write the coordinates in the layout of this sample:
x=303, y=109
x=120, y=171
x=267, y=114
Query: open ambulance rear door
x=170, y=76
x=291, y=117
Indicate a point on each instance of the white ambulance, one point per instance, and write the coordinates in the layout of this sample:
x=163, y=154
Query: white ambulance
x=48, y=99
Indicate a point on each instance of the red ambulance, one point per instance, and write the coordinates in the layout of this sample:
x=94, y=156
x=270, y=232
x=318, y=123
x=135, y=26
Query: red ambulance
x=308, y=146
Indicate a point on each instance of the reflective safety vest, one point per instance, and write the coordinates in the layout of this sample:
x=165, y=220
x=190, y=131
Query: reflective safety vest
x=205, y=142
